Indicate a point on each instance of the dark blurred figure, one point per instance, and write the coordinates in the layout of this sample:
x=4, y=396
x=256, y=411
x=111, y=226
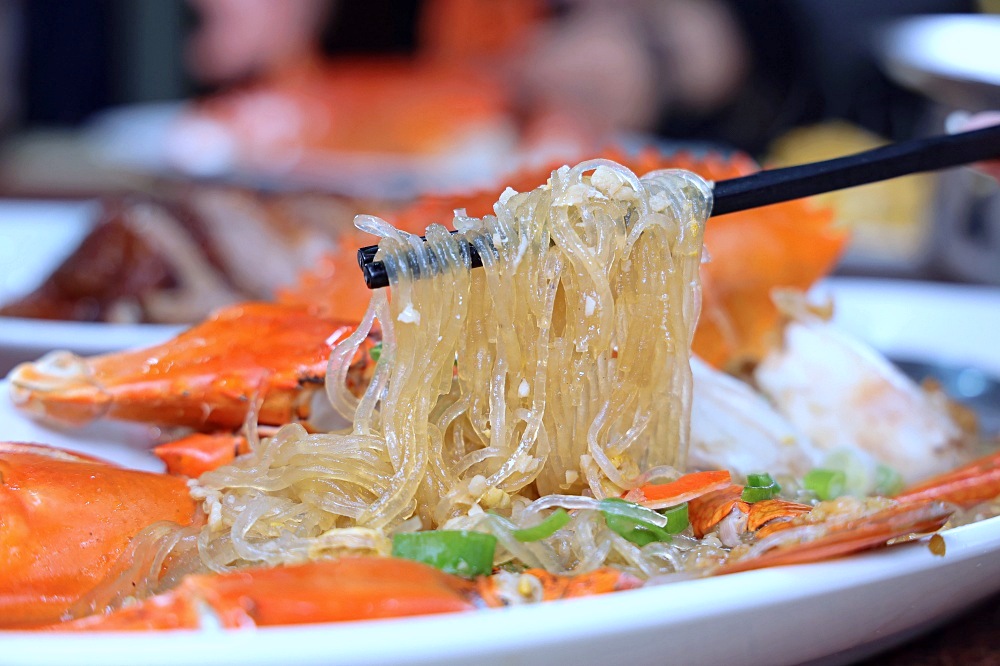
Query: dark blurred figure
x=740, y=72
x=737, y=71
x=812, y=60
x=66, y=61
x=72, y=58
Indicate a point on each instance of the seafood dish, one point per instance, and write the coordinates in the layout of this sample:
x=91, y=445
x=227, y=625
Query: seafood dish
x=342, y=114
x=176, y=251
x=625, y=395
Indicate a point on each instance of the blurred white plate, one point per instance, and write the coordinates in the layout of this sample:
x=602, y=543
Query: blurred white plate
x=954, y=59
x=831, y=613
x=35, y=237
x=952, y=324
x=27, y=339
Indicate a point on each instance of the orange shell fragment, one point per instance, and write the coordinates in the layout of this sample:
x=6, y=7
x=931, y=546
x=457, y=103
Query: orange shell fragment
x=707, y=511
x=196, y=454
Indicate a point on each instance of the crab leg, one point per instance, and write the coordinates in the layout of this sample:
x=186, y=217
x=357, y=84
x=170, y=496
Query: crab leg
x=978, y=481
x=920, y=509
x=352, y=588
x=816, y=542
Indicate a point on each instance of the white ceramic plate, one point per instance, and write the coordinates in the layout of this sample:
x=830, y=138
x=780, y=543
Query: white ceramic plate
x=35, y=237
x=832, y=612
x=954, y=59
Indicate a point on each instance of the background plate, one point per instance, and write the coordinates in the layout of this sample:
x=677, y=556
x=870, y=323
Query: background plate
x=35, y=237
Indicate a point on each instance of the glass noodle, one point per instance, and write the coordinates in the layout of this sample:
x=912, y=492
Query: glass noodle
x=553, y=377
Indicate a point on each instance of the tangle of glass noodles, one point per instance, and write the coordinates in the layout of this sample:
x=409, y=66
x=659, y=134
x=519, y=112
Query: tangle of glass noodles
x=555, y=376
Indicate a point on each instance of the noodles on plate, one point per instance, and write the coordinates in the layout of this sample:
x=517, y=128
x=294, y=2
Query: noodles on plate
x=556, y=376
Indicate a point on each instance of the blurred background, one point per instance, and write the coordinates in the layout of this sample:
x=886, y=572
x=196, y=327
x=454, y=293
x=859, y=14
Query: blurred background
x=191, y=135
x=161, y=158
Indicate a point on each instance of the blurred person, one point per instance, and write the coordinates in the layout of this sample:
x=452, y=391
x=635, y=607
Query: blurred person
x=327, y=88
x=239, y=39
x=736, y=72
x=739, y=72
x=571, y=70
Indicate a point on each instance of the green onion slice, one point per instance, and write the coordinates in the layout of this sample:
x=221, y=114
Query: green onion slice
x=459, y=552
x=677, y=518
x=543, y=530
x=859, y=469
x=760, y=480
x=760, y=487
x=634, y=522
x=888, y=482
x=376, y=351
x=828, y=484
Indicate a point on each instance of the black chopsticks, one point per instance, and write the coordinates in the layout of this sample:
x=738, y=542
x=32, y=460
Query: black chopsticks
x=777, y=185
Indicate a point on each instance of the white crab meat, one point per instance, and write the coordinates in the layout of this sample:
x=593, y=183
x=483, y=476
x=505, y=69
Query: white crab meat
x=844, y=395
x=733, y=427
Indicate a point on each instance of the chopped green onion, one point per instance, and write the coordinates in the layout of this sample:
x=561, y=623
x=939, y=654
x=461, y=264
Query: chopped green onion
x=858, y=467
x=376, y=352
x=753, y=494
x=633, y=521
x=828, y=484
x=760, y=480
x=543, y=530
x=460, y=552
x=760, y=487
x=888, y=482
x=677, y=518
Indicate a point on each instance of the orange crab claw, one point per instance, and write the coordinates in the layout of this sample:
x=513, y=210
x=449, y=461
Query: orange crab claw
x=846, y=537
x=794, y=245
x=65, y=519
x=352, y=588
x=978, y=481
x=205, y=378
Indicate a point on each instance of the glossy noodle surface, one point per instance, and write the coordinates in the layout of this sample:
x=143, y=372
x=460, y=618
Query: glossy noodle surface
x=556, y=376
